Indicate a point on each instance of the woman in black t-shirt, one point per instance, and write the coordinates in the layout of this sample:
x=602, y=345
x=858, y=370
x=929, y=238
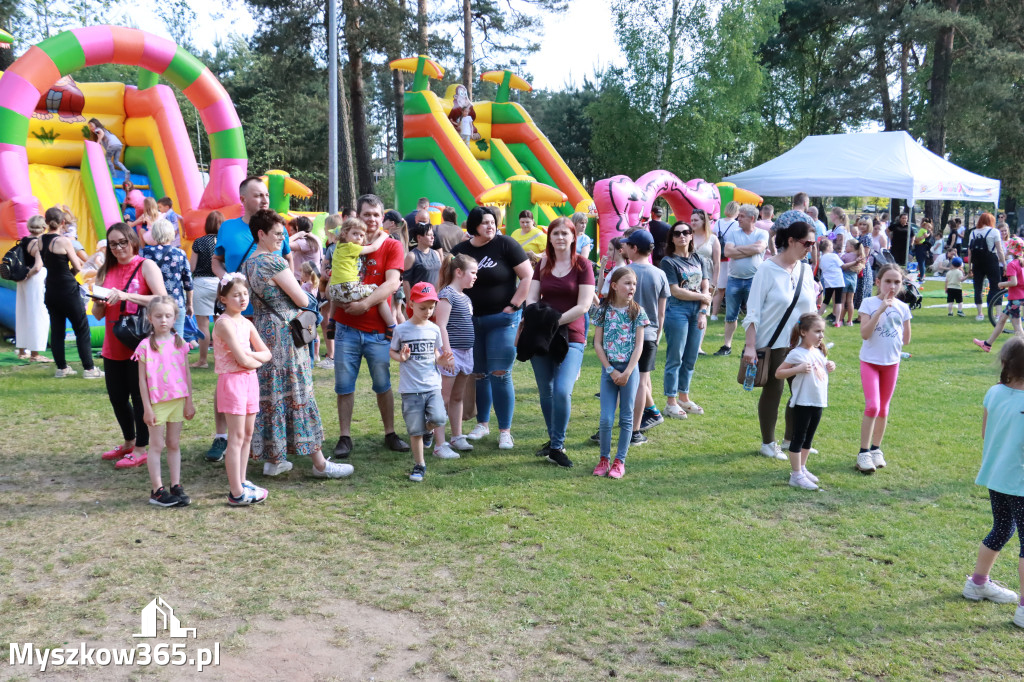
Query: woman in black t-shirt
x=503, y=280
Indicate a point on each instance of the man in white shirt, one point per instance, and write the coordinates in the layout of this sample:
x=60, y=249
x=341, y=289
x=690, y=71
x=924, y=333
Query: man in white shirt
x=745, y=249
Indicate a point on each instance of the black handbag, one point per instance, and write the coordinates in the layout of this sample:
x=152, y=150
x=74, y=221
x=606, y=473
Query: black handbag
x=132, y=328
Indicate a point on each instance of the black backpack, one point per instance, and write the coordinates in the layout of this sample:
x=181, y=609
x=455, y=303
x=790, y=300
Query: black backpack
x=979, y=246
x=14, y=266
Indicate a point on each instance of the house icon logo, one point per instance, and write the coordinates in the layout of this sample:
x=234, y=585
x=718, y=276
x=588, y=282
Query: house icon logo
x=158, y=616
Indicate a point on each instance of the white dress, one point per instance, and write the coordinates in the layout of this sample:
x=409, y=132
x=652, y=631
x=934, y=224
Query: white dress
x=31, y=321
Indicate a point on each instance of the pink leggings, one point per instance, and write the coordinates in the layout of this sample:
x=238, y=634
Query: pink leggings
x=879, y=382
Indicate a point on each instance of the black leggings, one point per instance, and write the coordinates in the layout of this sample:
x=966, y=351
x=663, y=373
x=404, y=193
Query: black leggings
x=62, y=309
x=1007, y=514
x=123, y=390
x=805, y=423
x=980, y=271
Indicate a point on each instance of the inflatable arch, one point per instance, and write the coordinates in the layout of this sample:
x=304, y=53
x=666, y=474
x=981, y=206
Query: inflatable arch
x=42, y=65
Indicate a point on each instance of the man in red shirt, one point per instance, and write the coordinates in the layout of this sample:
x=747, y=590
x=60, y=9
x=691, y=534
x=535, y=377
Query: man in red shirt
x=359, y=333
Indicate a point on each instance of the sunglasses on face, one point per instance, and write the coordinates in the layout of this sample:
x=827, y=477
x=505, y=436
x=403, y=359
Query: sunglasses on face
x=807, y=244
x=681, y=233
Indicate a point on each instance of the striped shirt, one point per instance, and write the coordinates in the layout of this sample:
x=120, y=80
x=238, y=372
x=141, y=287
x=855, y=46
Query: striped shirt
x=460, y=321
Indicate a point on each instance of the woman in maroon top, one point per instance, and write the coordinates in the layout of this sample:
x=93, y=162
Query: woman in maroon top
x=565, y=281
x=133, y=282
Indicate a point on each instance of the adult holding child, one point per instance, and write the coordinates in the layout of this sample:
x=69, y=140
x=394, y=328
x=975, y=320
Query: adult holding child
x=503, y=281
x=288, y=422
x=781, y=292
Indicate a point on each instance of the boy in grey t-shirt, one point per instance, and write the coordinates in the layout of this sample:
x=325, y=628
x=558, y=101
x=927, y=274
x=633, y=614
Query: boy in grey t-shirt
x=416, y=345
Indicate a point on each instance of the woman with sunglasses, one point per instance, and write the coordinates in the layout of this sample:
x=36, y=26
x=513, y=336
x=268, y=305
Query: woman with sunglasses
x=771, y=294
x=686, y=316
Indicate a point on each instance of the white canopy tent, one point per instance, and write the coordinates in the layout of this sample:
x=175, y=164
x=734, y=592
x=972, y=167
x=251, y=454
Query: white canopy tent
x=890, y=164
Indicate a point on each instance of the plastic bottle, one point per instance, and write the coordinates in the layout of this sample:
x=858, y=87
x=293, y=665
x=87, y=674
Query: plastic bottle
x=905, y=355
x=751, y=376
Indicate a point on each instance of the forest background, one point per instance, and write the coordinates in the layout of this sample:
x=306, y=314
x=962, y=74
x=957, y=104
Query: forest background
x=706, y=88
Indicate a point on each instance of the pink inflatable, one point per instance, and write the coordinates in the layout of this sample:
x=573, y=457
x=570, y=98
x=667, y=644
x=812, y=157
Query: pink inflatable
x=621, y=202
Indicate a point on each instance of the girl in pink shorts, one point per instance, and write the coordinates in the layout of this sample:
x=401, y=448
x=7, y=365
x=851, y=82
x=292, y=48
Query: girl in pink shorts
x=238, y=351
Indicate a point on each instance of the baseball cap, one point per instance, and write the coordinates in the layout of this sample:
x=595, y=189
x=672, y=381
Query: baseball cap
x=957, y=261
x=641, y=239
x=393, y=215
x=423, y=291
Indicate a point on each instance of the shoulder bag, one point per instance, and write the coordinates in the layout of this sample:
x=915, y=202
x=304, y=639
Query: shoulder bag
x=302, y=327
x=761, y=379
x=131, y=329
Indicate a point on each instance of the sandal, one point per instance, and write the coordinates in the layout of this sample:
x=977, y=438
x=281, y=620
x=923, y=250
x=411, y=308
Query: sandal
x=200, y=365
x=37, y=358
x=691, y=407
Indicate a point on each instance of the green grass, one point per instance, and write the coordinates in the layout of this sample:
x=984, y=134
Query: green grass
x=701, y=563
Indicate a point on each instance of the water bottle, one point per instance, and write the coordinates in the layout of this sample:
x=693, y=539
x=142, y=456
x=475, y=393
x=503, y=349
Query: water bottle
x=905, y=355
x=751, y=376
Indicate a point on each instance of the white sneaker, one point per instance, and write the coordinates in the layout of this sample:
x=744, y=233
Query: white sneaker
x=271, y=469
x=66, y=372
x=1018, y=617
x=877, y=459
x=713, y=318
x=992, y=591
x=865, y=463
x=505, y=440
x=333, y=470
x=444, y=451
x=798, y=480
x=94, y=373
x=460, y=443
x=326, y=363
x=772, y=450
x=980, y=318
x=810, y=477
x=785, y=446
x=479, y=431
x=674, y=412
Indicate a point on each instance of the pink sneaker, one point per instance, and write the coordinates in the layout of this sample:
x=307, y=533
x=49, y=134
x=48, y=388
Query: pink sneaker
x=602, y=467
x=132, y=459
x=618, y=469
x=982, y=345
x=117, y=453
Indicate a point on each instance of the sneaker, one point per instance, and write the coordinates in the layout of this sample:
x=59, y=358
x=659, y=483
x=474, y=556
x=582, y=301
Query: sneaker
x=117, y=453
x=650, y=420
x=849, y=323
x=66, y=372
x=505, y=440
x=418, y=472
x=94, y=373
x=772, y=450
x=132, y=459
x=334, y=470
x=831, y=319
x=543, y=452
x=713, y=318
x=326, y=363
x=395, y=444
x=602, y=467
x=960, y=313
x=982, y=345
x=428, y=441
x=560, y=458
x=162, y=498
x=877, y=459
x=618, y=469
x=991, y=590
x=247, y=498
x=865, y=463
x=798, y=480
x=276, y=469
x=638, y=438
x=179, y=492
x=596, y=438
x=260, y=493
x=810, y=477
x=479, y=431
x=343, y=448
x=216, y=451
x=949, y=314
x=1018, y=616
x=785, y=448
x=675, y=412
x=444, y=451
x=460, y=443
x=724, y=350
x=980, y=318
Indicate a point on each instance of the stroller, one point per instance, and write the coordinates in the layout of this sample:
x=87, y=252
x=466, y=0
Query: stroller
x=911, y=294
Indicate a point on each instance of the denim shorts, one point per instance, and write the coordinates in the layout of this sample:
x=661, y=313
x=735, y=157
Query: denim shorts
x=736, y=293
x=423, y=411
x=350, y=347
x=849, y=282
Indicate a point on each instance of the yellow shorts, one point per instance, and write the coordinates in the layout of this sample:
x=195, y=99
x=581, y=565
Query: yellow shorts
x=169, y=412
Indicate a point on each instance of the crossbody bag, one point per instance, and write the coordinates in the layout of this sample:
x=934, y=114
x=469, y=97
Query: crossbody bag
x=761, y=378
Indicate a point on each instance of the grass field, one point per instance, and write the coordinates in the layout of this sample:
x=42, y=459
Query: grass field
x=702, y=563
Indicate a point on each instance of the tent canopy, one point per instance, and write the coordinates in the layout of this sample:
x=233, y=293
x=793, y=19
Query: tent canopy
x=890, y=164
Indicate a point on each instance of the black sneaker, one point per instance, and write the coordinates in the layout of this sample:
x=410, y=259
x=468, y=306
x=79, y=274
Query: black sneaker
x=650, y=420
x=560, y=458
x=596, y=438
x=428, y=441
x=179, y=492
x=724, y=350
x=344, y=447
x=638, y=438
x=418, y=472
x=216, y=451
x=395, y=444
x=831, y=319
x=543, y=452
x=162, y=498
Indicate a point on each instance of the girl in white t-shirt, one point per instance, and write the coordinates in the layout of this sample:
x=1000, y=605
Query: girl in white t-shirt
x=831, y=268
x=809, y=368
x=885, y=329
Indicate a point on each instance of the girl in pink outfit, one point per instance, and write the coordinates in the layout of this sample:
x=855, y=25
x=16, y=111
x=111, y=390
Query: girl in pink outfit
x=165, y=383
x=238, y=351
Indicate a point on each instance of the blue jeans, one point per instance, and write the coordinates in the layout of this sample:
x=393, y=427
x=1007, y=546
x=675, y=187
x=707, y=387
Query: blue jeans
x=736, y=293
x=350, y=347
x=495, y=351
x=624, y=396
x=555, y=382
x=683, y=339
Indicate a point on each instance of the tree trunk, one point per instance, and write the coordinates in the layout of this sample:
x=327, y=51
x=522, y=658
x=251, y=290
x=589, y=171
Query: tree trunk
x=904, y=86
x=947, y=209
x=666, y=88
x=361, y=143
x=882, y=80
x=467, y=33
x=398, y=87
x=346, y=171
x=938, y=96
x=421, y=26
